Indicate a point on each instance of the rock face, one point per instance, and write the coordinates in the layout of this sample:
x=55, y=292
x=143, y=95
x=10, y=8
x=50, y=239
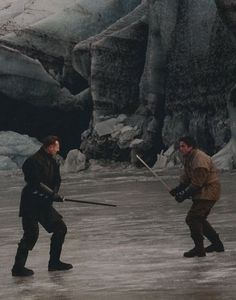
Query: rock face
x=38, y=71
x=113, y=63
x=15, y=14
x=226, y=157
x=147, y=72
x=19, y=72
x=200, y=72
x=52, y=39
x=32, y=102
x=74, y=162
x=187, y=74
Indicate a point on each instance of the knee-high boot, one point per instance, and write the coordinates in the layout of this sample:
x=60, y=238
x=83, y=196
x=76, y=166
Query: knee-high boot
x=55, y=249
x=20, y=260
x=55, y=252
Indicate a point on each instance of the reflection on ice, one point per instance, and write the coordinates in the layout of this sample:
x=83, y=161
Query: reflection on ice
x=133, y=251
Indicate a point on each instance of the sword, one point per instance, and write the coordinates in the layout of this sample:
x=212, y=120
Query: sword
x=89, y=202
x=50, y=192
x=155, y=174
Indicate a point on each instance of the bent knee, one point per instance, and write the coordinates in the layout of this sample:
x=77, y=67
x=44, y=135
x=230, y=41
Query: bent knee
x=60, y=228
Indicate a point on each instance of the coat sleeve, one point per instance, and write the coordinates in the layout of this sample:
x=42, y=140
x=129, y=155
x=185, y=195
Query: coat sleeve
x=31, y=172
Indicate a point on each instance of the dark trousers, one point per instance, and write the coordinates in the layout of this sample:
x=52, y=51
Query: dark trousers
x=197, y=221
x=52, y=222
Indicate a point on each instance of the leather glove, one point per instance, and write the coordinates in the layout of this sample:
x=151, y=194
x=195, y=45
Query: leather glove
x=187, y=193
x=177, y=189
x=181, y=196
x=173, y=192
x=57, y=198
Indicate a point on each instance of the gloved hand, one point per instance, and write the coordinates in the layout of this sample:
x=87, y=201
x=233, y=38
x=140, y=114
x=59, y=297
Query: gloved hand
x=187, y=193
x=179, y=188
x=173, y=192
x=57, y=198
x=181, y=196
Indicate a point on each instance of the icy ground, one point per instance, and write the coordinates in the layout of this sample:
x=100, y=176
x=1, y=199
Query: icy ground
x=132, y=252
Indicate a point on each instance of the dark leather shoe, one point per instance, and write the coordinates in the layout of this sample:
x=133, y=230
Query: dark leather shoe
x=59, y=266
x=21, y=272
x=195, y=252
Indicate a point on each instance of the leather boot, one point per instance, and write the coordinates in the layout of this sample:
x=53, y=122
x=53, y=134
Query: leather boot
x=21, y=272
x=54, y=263
x=58, y=266
x=195, y=252
x=198, y=250
x=210, y=233
x=216, y=245
x=20, y=260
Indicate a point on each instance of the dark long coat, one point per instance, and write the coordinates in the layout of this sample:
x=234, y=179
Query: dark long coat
x=39, y=168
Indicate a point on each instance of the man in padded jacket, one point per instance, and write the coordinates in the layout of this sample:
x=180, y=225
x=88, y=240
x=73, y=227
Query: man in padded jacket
x=199, y=182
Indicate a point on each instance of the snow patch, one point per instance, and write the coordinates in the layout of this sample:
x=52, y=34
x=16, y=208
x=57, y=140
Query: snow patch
x=15, y=148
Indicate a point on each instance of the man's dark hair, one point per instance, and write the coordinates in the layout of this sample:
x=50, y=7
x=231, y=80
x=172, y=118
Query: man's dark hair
x=188, y=140
x=50, y=140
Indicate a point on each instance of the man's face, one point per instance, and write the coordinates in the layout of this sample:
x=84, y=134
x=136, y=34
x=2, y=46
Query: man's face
x=184, y=148
x=53, y=148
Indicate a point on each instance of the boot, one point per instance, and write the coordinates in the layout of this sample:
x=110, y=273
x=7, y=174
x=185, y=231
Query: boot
x=21, y=271
x=20, y=260
x=213, y=237
x=58, y=266
x=54, y=263
x=216, y=246
x=198, y=250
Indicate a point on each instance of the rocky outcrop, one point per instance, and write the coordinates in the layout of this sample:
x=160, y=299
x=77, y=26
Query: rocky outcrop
x=163, y=70
x=32, y=102
x=75, y=162
x=36, y=74
x=226, y=158
x=188, y=71
x=200, y=72
x=24, y=79
x=52, y=39
x=112, y=62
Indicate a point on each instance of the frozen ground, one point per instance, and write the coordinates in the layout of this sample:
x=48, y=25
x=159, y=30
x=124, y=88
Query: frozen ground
x=130, y=252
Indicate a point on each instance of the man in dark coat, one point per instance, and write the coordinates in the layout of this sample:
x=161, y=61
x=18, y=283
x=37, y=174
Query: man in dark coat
x=36, y=207
x=199, y=182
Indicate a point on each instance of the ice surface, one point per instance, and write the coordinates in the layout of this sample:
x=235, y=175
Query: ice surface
x=133, y=251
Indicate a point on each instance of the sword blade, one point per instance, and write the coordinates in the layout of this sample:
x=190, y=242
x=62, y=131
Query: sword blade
x=50, y=192
x=89, y=202
x=155, y=174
